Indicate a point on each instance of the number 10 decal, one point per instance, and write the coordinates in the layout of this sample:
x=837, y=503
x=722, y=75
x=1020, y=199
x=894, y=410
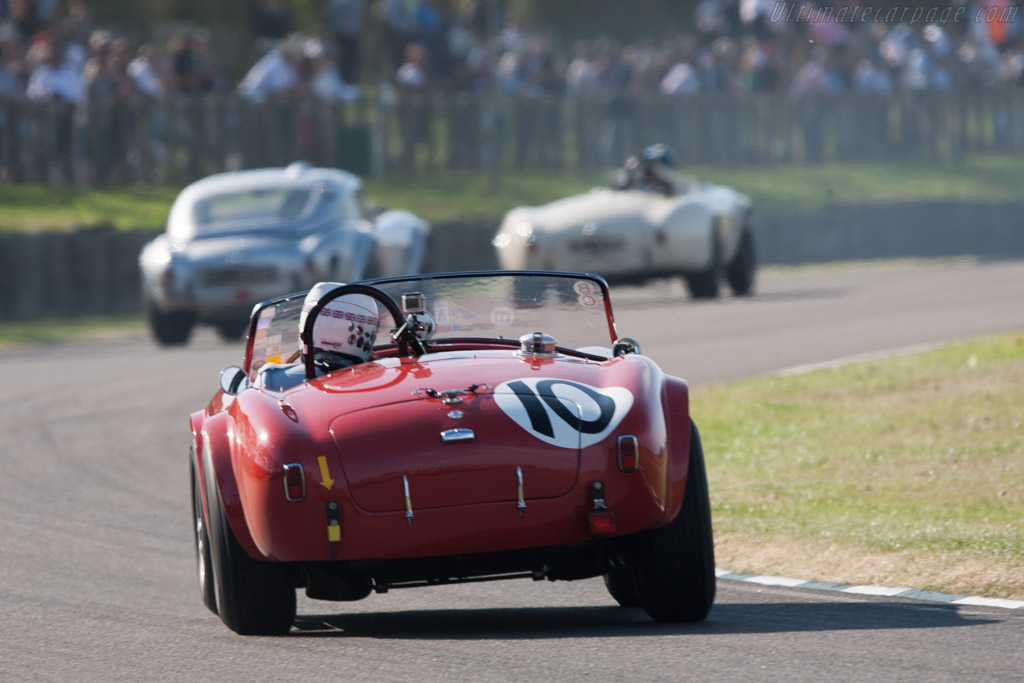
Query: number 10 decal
x=561, y=412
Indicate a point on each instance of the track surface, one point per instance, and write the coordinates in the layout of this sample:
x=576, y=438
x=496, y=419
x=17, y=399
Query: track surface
x=96, y=554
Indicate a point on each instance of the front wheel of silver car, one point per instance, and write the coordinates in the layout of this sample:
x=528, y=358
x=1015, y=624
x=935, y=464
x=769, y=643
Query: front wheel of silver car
x=169, y=328
x=674, y=566
x=231, y=330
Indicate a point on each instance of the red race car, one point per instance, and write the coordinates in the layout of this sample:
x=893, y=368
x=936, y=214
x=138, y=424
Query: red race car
x=448, y=428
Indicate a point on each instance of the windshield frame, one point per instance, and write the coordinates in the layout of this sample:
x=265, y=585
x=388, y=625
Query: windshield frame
x=441, y=343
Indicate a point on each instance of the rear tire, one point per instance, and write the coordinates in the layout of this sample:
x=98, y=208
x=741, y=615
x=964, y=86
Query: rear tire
x=169, y=328
x=253, y=597
x=674, y=566
x=201, y=539
x=741, y=270
x=704, y=284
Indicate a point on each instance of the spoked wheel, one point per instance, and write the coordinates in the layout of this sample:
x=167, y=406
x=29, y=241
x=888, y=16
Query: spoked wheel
x=674, y=566
x=201, y=540
x=740, y=271
x=704, y=284
x=253, y=597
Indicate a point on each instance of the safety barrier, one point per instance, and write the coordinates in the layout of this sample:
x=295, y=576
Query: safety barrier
x=95, y=271
x=178, y=140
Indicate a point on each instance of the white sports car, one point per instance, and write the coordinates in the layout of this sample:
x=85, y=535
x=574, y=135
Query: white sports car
x=701, y=231
x=235, y=239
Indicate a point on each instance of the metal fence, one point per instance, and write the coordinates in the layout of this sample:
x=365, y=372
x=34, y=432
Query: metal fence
x=181, y=139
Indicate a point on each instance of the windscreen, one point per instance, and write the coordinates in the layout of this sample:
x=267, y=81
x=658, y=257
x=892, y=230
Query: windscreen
x=572, y=309
x=257, y=205
x=276, y=337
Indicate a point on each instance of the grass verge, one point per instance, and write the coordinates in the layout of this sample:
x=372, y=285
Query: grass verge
x=466, y=195
x=902, y=472
x=14, y=334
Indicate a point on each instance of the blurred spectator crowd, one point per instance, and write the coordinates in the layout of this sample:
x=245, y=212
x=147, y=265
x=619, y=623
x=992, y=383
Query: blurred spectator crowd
x=52, y=51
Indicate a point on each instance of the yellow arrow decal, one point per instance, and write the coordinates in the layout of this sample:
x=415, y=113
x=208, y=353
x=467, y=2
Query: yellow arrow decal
x=325, y=474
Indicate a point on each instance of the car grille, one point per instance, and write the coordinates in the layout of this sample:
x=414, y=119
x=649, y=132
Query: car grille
x=237, y=275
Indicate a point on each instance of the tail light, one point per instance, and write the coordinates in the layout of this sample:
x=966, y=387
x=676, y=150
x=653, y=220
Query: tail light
x=602, y=522
x=629, y=453
x=600, y=519
x=294, y=483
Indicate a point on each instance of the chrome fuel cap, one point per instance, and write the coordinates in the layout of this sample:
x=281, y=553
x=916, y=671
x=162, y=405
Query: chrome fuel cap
x=538, y=344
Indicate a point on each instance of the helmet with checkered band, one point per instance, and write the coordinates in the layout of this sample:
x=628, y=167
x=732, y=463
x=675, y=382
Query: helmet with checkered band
x=346, y=328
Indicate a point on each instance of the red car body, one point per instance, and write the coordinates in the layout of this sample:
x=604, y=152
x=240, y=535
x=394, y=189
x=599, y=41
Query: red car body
x=460, y=458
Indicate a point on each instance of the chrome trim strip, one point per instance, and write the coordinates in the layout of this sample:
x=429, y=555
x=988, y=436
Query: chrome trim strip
x=408, y=500
x=457, y=435
x=521, y=500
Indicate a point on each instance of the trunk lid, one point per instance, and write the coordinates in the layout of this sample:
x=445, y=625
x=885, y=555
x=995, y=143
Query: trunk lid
x=380, y=445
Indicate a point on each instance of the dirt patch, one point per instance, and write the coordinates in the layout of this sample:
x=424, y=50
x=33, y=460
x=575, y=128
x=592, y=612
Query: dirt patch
x=820, y=560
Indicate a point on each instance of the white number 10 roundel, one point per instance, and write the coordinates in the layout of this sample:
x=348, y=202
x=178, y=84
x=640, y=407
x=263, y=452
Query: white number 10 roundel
x=562, y=412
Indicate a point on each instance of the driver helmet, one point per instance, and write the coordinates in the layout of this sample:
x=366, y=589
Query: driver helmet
x=347, y=327
x=658, y=154
x=657, y=172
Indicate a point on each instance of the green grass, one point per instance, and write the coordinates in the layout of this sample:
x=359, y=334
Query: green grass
x=464, y=195
x=916, y=462
x=36, y=207
x=467, y=195
x=34, y=332
x=811, y=188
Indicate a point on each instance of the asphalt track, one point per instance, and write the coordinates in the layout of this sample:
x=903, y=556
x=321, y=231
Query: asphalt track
x=96, y=553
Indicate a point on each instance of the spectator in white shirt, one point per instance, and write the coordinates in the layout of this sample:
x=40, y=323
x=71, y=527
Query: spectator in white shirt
x=54, y=79
x=143, y=71
x=327, y=83
x=413, y=75
x=275, y=73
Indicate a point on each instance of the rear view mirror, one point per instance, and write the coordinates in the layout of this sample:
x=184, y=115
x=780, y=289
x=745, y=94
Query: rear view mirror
x=233, y=380
x=625, y=345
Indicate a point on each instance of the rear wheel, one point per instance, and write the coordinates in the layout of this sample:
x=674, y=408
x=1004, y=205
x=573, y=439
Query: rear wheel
x=674, y=566
x=704, y=284
x=169, y=328
x=202, y=542
x=740, y=271
x=253, y=597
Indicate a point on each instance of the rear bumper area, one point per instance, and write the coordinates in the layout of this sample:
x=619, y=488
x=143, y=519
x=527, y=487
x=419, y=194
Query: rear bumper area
x=458, y=530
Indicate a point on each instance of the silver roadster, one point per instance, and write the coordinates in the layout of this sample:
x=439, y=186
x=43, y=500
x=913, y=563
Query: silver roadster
x=235, y=239
x=699, y=231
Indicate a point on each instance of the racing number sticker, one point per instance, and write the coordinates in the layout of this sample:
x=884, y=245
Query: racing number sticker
x=561, y=412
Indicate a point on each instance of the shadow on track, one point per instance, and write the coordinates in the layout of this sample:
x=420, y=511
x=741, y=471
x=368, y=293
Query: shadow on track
x=576, y=622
